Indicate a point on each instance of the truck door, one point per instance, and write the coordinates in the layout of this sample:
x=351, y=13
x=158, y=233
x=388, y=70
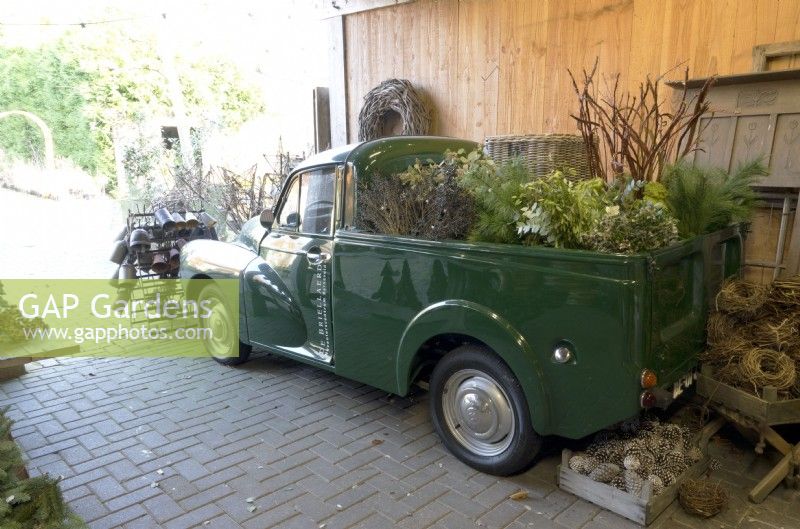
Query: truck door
x=289, y=287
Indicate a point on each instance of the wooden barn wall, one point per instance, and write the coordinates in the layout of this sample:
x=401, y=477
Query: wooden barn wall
x=500, y=66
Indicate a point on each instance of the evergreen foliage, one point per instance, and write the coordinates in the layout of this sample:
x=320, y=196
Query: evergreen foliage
x=704, y=199
x=495, y=190
x=642, y=226
x=516, y=207
x=557, y=212
x=33, y=503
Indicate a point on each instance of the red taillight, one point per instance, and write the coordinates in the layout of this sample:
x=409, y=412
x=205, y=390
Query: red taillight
x=648, y=379
x=647, y=400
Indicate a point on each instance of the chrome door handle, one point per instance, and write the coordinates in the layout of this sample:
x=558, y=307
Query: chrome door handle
x=316, y=256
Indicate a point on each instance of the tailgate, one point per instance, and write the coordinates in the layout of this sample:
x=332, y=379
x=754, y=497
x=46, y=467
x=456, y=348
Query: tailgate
x=684, y=281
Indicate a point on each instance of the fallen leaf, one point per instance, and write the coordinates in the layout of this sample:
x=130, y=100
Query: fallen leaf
x=519, y=495
x=339, y=506
x=159, y=471
x=251, y=508
x=250, y=499
x=376, y=442
x=154, y=484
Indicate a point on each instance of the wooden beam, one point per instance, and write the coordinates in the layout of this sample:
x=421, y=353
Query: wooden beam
x=322, y=119
x=771, y=480
x=338, y=8
x=337, y=87
x=763, y=52
x=793, y=256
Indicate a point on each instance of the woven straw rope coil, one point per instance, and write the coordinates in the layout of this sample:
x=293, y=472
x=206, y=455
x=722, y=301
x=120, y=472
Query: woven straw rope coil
x=393, y=95
x=542, y=153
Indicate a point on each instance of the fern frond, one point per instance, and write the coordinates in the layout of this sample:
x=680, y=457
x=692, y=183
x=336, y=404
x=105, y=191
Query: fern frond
x=704, y=199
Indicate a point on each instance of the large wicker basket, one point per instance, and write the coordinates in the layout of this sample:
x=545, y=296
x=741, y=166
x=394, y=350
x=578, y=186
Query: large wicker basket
x=542, y=153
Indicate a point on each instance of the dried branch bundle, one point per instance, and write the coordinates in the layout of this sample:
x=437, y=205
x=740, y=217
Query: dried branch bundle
x=236, y=197
x=754, y=338
x=637, y=134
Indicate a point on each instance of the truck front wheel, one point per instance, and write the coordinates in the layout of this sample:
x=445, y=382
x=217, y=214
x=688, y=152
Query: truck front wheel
x=480, y=412
x=219, y=327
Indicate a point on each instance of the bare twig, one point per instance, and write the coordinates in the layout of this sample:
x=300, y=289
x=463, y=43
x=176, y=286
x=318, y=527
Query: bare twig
x=635, y=133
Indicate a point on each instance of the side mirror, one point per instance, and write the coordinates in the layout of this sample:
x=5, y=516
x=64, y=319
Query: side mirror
x=292, y=220
x=267, y=218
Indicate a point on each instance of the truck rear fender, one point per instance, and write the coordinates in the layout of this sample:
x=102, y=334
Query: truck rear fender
x=461, y=317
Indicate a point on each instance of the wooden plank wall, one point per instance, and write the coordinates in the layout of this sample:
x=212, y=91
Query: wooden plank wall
x=500, y=66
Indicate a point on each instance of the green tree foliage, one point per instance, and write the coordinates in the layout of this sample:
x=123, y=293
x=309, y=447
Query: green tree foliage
x=705, y=199
x=91, y=82
x=44, y=82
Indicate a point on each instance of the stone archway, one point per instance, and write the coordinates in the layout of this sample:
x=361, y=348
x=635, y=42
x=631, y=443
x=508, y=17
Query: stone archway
x=49, y=151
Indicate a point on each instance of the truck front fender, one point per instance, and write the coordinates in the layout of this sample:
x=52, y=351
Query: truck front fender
x=479, y=323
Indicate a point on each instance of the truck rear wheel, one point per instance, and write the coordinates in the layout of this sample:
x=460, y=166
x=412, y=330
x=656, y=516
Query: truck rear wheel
x=480, y=412
x=221, y=343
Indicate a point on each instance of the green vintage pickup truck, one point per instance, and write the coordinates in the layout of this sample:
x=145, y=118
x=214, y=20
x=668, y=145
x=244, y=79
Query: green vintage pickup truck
x=514, y=342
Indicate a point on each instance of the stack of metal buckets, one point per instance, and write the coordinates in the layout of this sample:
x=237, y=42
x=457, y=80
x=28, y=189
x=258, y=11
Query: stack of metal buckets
x=150, y=244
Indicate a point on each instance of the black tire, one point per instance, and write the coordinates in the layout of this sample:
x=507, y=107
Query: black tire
x=487, y=381
x=226, y=352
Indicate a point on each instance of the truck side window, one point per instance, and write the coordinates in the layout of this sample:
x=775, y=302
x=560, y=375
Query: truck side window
x=316, y=201
x=288, y=214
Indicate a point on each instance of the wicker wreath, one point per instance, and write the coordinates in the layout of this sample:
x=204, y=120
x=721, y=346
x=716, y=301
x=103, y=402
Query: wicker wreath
x=395, y=95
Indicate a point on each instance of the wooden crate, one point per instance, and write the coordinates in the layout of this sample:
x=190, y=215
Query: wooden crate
x=642, y=509
x=768, y=410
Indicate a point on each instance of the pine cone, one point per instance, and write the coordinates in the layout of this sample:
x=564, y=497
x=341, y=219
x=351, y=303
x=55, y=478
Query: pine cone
x=630, y=426
x=611, y=451
x=632, y=462
x=633, y=482
x=658, y=484
x=582, y=463
x=604, y=472
x=694, y=454
x=576, y=463
x=668, y=477
x=618, y=482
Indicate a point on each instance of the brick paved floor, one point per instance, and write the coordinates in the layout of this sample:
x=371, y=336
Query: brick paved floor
x=180, y=443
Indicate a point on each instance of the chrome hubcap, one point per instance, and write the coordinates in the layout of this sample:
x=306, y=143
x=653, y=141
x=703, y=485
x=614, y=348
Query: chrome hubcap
x=477, y=412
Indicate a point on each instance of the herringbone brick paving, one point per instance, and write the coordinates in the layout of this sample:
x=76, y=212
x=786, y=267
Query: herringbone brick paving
x=179, y=443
